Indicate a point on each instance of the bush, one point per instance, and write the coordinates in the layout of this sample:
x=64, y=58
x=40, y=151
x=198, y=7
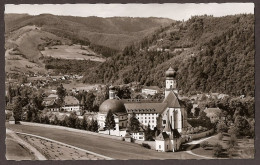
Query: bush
x=222, y=127
x=220, y=136
x=204, y=144
x=232, y=141
x=217, y=148
x=146, y=145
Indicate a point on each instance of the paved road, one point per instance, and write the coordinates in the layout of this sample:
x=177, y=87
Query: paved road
x=18, y=149
x=101, y=145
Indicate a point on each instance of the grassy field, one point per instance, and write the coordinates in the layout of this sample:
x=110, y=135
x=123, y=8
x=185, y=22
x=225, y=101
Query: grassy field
x=55, y=151
x=74, y=52
x=80, y=86
x=244, y=149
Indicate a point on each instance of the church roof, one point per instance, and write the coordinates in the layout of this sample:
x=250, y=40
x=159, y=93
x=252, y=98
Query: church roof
x=11, y=118
x=116, y=106
x=145, y=107
x=172, y=100
x=170, y=72
x=175, y=134
x=162, y=136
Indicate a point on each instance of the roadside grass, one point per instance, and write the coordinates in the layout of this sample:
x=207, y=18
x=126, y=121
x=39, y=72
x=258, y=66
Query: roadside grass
x=244, y=149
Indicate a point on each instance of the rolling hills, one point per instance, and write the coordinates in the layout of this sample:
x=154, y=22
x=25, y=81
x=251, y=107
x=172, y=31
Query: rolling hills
x=28, y=38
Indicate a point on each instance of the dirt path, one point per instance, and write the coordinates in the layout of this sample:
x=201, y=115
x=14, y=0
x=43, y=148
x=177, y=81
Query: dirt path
x=32, y=150
x=196, y=142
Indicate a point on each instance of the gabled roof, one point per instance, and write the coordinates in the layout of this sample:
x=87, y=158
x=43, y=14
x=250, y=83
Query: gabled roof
x=162, y=136
x=11, y=118
x=53, y=96
x=172, y=100
x=212, y=110
x=70, y=100
x=145, y=107
x=152, y=88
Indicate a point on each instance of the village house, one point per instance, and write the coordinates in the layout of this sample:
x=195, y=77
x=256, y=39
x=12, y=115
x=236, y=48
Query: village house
x=213, y=114
x=150, y=90
x=71, y=104
x=138, y=135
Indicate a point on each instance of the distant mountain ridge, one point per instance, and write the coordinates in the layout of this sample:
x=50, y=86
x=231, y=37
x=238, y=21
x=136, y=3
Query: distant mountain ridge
x=113, y=32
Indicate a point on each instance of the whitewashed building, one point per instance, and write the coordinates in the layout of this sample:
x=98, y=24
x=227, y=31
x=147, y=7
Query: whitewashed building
x=150, y=90
x=71, y=104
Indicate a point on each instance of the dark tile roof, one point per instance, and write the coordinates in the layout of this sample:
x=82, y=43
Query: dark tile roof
x=175, y=134
x=70, y=100
x=162, y=136
x=141, y=100
x=145, y=107
x=172, y=100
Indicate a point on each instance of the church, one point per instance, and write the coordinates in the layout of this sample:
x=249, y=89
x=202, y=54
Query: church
x=168, y=116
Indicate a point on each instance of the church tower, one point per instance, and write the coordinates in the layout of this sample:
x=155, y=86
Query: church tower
x=171, y=84
x=112, y=92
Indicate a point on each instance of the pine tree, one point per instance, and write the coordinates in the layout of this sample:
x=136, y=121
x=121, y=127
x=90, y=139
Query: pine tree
x=134, y=124
x=84, y=123
x=110, y=121
x=61, y=92
x=56, y=120
x=93, y=126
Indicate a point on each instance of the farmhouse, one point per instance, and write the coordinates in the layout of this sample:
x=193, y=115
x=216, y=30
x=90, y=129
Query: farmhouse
x=150, y=90
x=71, y=104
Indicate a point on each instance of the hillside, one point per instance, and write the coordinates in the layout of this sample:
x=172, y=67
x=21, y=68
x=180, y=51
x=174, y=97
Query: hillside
x=29, y=38
x=211, y=55
x=114, y=32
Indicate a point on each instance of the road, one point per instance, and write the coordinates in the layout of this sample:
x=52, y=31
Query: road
x=18, y=149
x=105, y=146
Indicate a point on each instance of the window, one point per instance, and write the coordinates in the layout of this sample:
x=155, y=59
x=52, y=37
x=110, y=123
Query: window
x=167, y=146
x=164, y=121
x=140, y=137
x=159, y=146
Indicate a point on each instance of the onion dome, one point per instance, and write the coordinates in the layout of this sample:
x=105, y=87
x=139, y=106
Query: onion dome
x=170, y=72
x=116, y=106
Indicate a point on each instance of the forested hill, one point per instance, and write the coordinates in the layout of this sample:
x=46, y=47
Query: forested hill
x=114, y=32
x=210, y=55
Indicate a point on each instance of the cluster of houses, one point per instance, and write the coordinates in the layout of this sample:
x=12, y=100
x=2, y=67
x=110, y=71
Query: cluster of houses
x=168, y=116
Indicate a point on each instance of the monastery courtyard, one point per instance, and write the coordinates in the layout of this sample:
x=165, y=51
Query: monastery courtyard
x=108, y=147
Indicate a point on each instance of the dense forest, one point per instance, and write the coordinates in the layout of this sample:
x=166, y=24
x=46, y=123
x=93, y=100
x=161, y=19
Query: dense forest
x=215, y=55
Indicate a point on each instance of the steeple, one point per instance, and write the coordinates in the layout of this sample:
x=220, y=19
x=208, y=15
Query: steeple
x=171, y=84
x=112, y=92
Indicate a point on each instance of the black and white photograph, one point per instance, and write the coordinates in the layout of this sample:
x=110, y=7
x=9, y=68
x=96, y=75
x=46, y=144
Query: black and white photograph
x=129, y=81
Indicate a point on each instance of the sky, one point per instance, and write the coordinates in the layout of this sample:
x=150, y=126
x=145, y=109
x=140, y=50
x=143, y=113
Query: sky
x=174, y=11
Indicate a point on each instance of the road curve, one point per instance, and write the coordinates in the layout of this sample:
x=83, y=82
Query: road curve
x=104, y=146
